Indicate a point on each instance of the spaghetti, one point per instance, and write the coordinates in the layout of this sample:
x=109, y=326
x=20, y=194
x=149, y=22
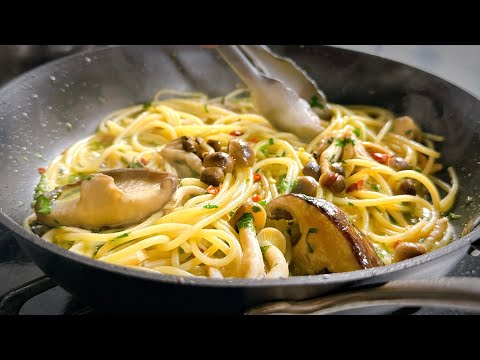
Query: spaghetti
x=192, y=236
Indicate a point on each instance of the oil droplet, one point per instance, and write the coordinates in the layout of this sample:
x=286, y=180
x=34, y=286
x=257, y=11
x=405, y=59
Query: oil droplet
x=52, y=78
x=87, y=59
x=25, y=114
x=35, y=96
x=49, y=107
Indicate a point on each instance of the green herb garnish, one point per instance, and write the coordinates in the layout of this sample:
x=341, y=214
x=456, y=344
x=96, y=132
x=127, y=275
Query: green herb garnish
x=256, y=209
x=124, y=160
x=330, y=140
x=210, y=206
x=309, y=247
x=408, y=132
x=315, y=102
x=270, y=141
x=375, y=187
x=135, y=165
x=264, y=248
x=41, y=187
x=263, y=203
x=205, y=108
x=453, y=216
x=263, y=149
x=344, y=142
x=356, y=131
x=282, y=185
x=246, y=221
x=312, y=230
x=350, y=203
x=121, y=236
x=45, y=205
x=146, y=105
x=230, y=213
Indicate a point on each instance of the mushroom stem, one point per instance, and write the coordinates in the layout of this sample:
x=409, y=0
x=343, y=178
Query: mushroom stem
x=252, y=262
x=276, y=261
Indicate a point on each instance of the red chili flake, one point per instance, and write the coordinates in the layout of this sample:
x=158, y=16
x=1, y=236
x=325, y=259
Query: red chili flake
x=381, y=158
x=256, y=198
x=256, y=177
x=236, y=133
x=356, y=186
x=41, y=170
x=254, y=139
x=212, y=190
x=144, y=161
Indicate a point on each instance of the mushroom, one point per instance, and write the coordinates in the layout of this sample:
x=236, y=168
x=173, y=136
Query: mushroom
x=276, y=261
x=407, y=250
x=407, y=127
x=329, y=241
x=406, y=187
x=306, y=185
x=113, y=198
x=202, y=148
x=246, y=218
x=215, y=144
x=219, y=159
x=241, y=152
x=398, y=163
x=312, y=169
x=180, y=155
x=212, y=176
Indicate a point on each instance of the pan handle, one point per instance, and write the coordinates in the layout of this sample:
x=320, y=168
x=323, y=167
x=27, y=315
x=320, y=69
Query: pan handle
x=12, y=301
x=448, y=292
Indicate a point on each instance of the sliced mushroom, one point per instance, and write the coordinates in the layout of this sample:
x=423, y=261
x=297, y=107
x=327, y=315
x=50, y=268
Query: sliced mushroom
x=113, y=198
x=241, y=152
x=329, y=241
x=407, y=127
x=407, y=250
x=181, y=156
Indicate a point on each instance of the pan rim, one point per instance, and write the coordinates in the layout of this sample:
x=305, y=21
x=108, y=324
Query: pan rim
x=336, y=278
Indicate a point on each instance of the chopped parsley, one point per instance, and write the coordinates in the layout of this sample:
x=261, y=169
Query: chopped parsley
x=263, y=203
x=330, y=140
x=344, y=142
x=453, y=216
x=350, y=203
x=375, y=187
x=231, y=213
x=270, y=141
x=125, y=161
x=210, y=206
x=263, y=149
x=41, y=187
x=356, y=131
x=264, y=248
x=330, y=159
x=96, y=145
x=124, y=235
x=309, y=247
x=256, y=209
x=246, y=221
x=205, y=108
x=312, y=230
x=282, y=185
x=408, y=132
x=135, y=165
x=45, y=205
x=88, y=177
x=147, y=104
x=315, y=102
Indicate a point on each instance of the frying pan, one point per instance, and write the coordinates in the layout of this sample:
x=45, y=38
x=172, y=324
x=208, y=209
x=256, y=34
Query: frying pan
x=49, y=108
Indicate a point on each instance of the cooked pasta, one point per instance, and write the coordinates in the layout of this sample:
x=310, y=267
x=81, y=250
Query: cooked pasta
x=378, y=169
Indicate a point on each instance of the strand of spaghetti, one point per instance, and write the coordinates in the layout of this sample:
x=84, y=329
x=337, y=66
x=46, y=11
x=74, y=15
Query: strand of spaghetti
x=447, y=202
x=415, y=145
x=143, y=244
x=388, y=200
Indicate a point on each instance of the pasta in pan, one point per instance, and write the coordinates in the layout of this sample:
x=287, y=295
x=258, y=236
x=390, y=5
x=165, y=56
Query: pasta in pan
x=226, y=166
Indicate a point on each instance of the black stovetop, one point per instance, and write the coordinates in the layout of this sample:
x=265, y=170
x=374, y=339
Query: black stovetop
x=16, y=268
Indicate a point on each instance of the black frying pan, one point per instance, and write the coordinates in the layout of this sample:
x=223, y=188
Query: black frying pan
x=81, y=89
